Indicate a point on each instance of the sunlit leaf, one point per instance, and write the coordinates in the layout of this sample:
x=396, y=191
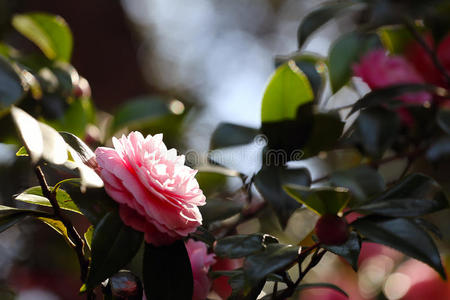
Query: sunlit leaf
x=49, y=32
x=88, y=236
x=395, y=38
x=288, y=88
x=59, y=227
x=22, y=151
x=323, y=200
x=34, y=195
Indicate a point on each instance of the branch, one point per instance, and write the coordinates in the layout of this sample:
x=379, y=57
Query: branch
x=71, y=231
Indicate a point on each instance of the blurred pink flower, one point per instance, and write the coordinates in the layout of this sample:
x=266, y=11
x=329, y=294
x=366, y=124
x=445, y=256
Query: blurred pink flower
x=379, y=70
x=158, y=194
x=221, y=285
x=200, y=264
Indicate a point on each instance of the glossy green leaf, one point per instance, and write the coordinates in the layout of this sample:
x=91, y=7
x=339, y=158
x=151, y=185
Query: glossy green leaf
x=274, y=258
x=167, y=272
x=362, y=181
x=34, y=195
x=88, y=236
x=343, y=53
x=202, y=234
x=59, y=227
x=22, y=151
x=318, y=17
x=384, y=95
x=219, y=209
x=240, y=245
x=10, y=216
x=404, y=207
x=395, y=38
x=11, y=89
x=403, y=235
x=144, y=110
x=349, y=250
x=323, y=200
x=269, y=181
x=288, y=88
x=376, y=129
x=439, y=149
x=443, y=119
x=40, y=140
x=49, y=32
x=228, y=134
x=113, y=246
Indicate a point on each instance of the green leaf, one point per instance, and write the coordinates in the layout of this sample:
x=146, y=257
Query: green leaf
x=22, y=151
x=227, y=135
x=40, y=140
x=167, y=272
x=384, y=95
x=142, y=111
x=49, y=32
x=376, y=129
x=202, y=234
x=343, y=53
x=84, y=152
x=59, y=227
x=113, y=246
x=88, y=236
x=219, y=209
x=269, y=181
x=405, y=207
x=395, y=38
x=288, y=88
x=10, y=216
x=349, y=250
x=443, y=119
x=439, y=149
x=213, y=179
x=34, y=195
x=326, y=131
x=319, y=17
x=274, y=258
x=403, y=235
x=11, y=89
x=323, y=200
x=362, y=181
x=240, y=245
x=305, y=286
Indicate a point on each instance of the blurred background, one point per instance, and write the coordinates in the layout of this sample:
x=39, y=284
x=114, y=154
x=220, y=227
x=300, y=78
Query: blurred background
x=214, y=56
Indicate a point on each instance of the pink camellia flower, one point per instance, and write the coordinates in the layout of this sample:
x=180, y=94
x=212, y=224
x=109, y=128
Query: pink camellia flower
x=200, y=264
x=158, y=194
x=380, y=70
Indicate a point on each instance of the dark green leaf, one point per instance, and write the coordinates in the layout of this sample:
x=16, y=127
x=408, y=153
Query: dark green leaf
x=228, y=134
x=405, y=207
x=41, y=140
x=344, y=53
x=384, y=95
x=34, y=195
x=237, y=246
x=362, y=181
x=269, y=181
x=376, y=129
x=219, y=209
x=213, y=179
x=10, y=216
x=49, y=32
x=323, y=200
x=443, y=119
x=144, y=110
x=349, y=250
x=201, y=234
x=439, y=149
x=59, y=227
x=113, y=246
x=274, y=258
x=287, y=90
x=11, y=89
x=167, y=272
x=403, y=235
x=83, y=150
x=94, y=211
x=319, y=17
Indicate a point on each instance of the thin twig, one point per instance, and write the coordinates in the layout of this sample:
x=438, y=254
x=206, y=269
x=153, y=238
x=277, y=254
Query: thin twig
x=74, y=236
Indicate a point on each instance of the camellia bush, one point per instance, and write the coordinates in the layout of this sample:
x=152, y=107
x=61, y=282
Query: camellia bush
x=161, y=230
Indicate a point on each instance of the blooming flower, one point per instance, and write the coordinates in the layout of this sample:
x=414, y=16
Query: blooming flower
x=379, y=70
x=158, y=194
x=200, y=264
